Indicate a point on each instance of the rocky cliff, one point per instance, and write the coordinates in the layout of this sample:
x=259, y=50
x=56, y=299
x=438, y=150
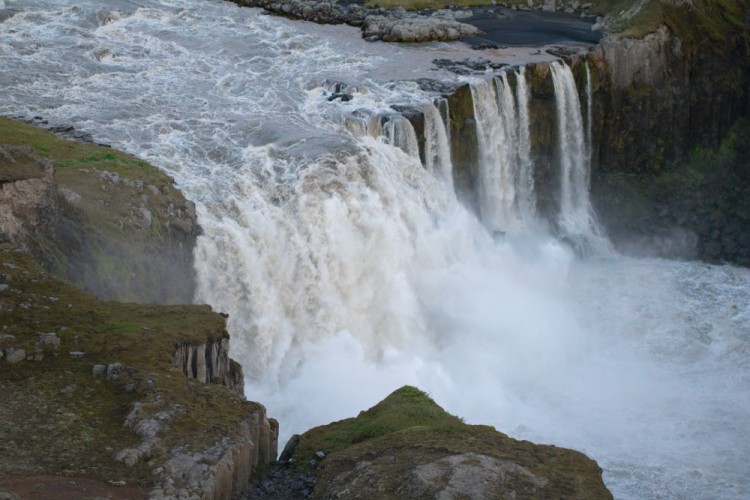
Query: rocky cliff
x=129, y=400
x=669, y=170
x=97, y=217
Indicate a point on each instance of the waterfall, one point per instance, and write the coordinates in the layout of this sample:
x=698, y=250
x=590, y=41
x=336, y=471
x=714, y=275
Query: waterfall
x=576, y=219
x=399, y=132
x=506, y=197
x=526, y=201
x=589, y=112
x=348, y=270
x=437, y=147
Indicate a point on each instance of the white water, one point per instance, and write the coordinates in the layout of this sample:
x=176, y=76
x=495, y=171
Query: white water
x=506, y=184
x=576, y=217
x=437, y=147
x=349, y=270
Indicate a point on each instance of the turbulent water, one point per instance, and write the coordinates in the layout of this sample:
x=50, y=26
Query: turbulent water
x=349, y=269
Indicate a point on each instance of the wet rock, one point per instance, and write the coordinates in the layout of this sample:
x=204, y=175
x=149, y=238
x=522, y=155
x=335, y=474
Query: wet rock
x=415, y=29
x=341, y=96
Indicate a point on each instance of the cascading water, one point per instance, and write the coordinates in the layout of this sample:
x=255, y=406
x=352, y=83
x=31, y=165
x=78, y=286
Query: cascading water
x=399, y=132
x=576, y=218
x=506, y=183
x=348, y=269
x=437, y=147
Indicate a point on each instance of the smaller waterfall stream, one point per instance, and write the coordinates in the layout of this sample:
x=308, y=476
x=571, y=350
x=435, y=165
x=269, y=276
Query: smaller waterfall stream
x=576, y=218
x=506, y=197
x=437, y=147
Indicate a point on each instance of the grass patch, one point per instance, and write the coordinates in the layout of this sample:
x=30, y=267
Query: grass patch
x=406, y=409
x=377, y=453
x=69, y=154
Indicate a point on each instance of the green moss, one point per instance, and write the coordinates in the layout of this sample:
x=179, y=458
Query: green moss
x=695, y=23
x=406, y=409
x=69, y=155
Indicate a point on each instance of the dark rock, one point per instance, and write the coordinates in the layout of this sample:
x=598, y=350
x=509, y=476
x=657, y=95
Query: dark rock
x=289, y=448
x=341, y=96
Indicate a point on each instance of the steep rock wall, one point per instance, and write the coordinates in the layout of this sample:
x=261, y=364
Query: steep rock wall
x=28, y=194
x=210, y=363
x=661, y=103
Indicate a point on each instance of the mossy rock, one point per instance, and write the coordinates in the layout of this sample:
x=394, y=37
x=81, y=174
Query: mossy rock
x=408, y=447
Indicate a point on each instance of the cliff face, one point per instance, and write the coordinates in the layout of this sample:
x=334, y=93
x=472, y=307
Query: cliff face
x=28, y=194
x=670, y=165
x=669, y=144
x=137, y=395
x=210, y=362
x=102, y=219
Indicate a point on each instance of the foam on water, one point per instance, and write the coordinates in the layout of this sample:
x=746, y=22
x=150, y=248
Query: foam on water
x=348, y=269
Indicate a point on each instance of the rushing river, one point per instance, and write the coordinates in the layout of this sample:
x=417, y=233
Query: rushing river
x=348, y=269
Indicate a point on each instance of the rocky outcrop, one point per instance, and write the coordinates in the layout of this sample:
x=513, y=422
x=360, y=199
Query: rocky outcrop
x=101, y=219
x=210, y=363
x=669, y=173
x=140, y=396
x=223, y=470
x=406, y=446
x=390, y=25
x=401, y=27
x=28, y=194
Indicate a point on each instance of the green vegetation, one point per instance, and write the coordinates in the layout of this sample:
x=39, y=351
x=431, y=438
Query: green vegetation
x=695, y=23
x=407, y=409
x=72, y=155
x=707, y=194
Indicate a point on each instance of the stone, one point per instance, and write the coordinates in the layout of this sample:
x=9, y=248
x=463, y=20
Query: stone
x=70, y=196
x=289, y=448
x=320, y=454
x=99, y=370
x=4, y=287
x=13, y=355
x=47, y=340
x=76, y=354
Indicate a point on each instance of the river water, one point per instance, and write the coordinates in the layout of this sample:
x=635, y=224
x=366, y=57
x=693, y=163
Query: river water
x=348, y=269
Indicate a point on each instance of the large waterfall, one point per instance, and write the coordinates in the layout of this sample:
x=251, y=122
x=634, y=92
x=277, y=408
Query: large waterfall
x=333, y=239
